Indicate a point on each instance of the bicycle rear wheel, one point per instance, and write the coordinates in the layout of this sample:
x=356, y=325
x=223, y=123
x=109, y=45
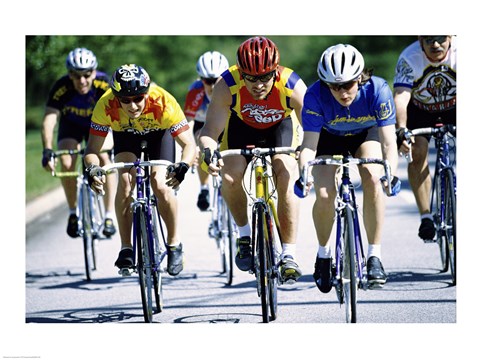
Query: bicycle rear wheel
x=451, y=223
x=438, y=214
x=349, y=273
x=143, y=263
x=261, y=260
x=86, y=198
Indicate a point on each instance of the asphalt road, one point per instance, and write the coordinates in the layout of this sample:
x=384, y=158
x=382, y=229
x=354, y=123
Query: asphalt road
x=417, y=301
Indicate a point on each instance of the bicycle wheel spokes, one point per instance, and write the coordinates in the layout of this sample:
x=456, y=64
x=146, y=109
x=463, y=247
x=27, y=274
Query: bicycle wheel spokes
x=450, y=223
x=349, y=275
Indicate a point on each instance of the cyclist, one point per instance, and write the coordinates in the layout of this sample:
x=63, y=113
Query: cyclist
x=347, y=110
x=136, y=110
x=71, y=102
x=257, y=102
x=209, y=67
x=425, y=93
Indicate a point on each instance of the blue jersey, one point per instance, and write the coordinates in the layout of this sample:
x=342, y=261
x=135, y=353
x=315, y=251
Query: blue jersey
x=373, y=106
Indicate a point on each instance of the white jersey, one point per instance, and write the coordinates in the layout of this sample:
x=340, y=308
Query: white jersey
x=433, y=84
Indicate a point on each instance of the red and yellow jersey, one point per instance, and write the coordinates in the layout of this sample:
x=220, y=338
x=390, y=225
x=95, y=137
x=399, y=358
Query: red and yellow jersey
x=162, y=111
x=262, y=114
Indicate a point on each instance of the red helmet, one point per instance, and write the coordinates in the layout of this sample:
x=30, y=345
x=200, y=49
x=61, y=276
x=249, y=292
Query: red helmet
x=258, y=56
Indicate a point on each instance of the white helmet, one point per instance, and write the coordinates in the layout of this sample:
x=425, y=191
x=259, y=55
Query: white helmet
x=211, y=65
x=340, y=63
x=81, y=59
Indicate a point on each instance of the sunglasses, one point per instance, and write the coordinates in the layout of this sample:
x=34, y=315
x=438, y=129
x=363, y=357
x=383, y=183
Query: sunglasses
x=432, y=39
x=263, y=78
x=128, y=100
x=345, y=86
x=78, y=75
x=209, y=81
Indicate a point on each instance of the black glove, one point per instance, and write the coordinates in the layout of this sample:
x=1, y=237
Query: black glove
x=207, y=158
x=94, y=170
x=47, y=155
x=180, y=169
x=400, y=132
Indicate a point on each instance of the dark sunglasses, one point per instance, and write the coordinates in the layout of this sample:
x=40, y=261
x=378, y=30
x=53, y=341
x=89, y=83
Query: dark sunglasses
x=128, y=100
x=209, y=81
x=432, y=39
x=263, y=78
x=78, y=75
x=346, y=86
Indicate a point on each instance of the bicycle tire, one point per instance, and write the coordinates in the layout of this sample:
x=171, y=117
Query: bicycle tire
x=451, y=223
x=228, y=238
x=87, y=231
x=437, y=212
x=158, y=255
x=349, y=272
x=272, y=270
x=261, y=261
x=143, y=263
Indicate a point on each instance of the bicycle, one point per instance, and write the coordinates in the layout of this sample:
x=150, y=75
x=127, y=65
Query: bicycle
x=223, y=229
x=443, y=195
x=265, y=259
x=91, y=210
x=148, y=250
x=350, y=262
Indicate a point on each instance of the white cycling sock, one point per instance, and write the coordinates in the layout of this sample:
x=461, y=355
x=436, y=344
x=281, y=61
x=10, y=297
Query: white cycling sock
x=73, y=211
x=426, y=216
x=374, y=250
x=324, y=252
x=288, y=249
x=204, y=187
x=108, y=215
x=244, y=230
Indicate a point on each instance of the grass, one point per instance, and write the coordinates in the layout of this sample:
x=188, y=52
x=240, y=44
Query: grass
x=37, y=180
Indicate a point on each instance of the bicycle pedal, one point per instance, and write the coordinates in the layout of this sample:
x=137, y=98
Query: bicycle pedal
x=375, y=285
x=289, y=280
x=126, y=272
x=430, y=241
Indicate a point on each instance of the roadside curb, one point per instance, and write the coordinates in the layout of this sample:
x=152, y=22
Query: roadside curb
x=43, y=204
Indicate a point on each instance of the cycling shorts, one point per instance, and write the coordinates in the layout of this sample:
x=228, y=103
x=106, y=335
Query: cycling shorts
x=160, y=144
x=330, y=144
x=239, y=135
x=72, y=130
x=418, y=118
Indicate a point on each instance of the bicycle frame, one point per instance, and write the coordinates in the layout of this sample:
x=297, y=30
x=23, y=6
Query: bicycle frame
x=90, y=208
x=442, y=206
x=350, y=270
x=265, y=260
x=146, y=221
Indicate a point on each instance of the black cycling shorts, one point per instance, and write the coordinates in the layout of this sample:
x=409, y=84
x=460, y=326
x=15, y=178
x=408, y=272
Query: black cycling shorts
x=71, y=130
x=160, y=144
x=330, y=144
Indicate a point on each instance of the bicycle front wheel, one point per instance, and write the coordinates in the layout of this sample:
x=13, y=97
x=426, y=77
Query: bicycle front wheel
x=226, y=242
x=451, y=223
x=143, y=263
x=159, y=253
x=86, y=198
x=437, y=207
x=272, y=270
x=261, y=260
x=349, y=273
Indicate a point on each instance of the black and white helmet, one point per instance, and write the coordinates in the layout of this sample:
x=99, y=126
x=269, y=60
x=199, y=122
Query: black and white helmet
x=340, y=63
x=211, y=65
x=81, y=59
